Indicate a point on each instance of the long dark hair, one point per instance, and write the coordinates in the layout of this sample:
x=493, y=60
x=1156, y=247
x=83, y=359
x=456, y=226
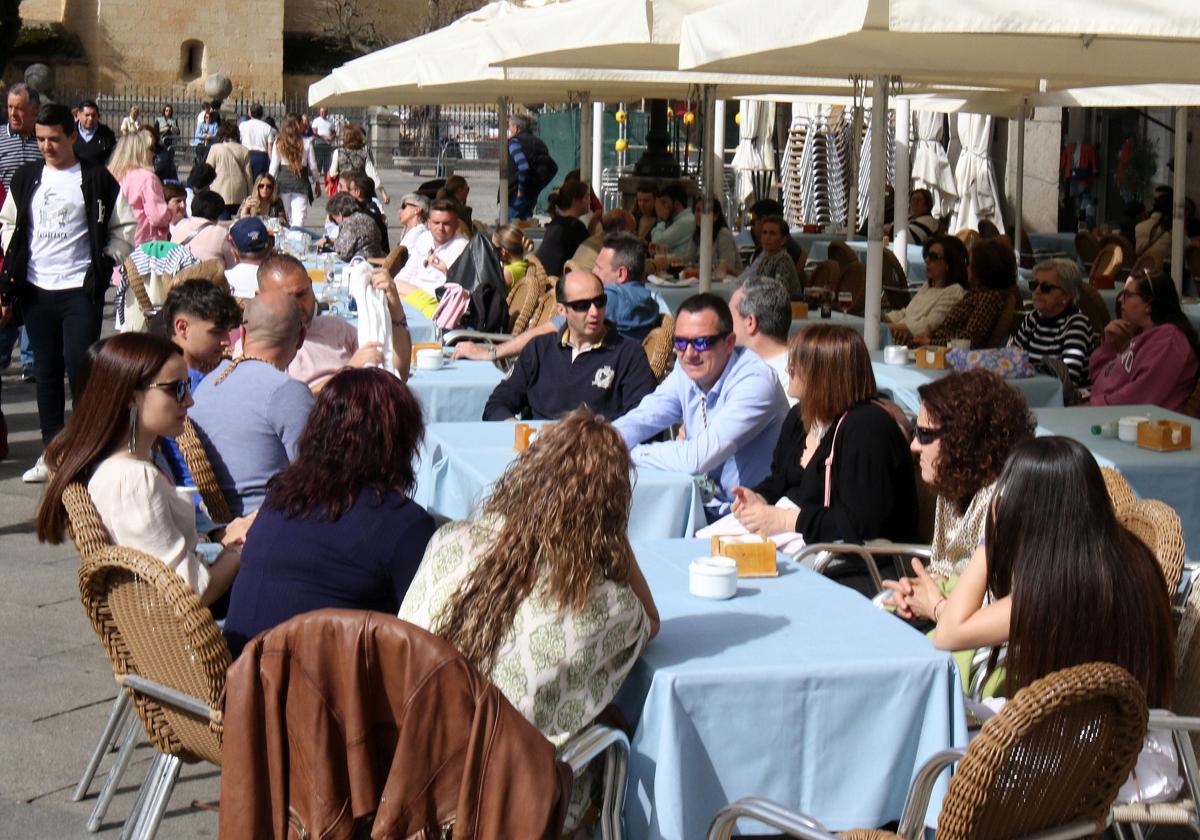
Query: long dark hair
x=955, y=254
x=718, y=219
x=361, y=436
x=1084, y=589
x=1159, y=291
x=124, y=364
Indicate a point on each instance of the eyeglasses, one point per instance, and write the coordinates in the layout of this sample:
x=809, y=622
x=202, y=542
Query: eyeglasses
x=934, y=256
x=700, y=342
x=178, y=388
x=599, y=301
x=1044, y=288
x=926, y=435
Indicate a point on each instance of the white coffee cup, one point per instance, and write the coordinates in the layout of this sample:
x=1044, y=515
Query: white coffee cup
x=896, y=354
x=1127, y=428
x=430, y=359
x=713, y=577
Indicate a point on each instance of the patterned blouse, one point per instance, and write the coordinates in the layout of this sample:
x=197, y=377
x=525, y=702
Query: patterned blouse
x=955, y=537
x=973, y=318
x=558, y=670
x=358, y=236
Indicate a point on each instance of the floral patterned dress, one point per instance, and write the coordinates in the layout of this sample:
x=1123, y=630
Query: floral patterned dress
x=558, y=669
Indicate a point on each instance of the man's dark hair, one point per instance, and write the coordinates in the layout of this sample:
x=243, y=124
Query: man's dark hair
x=361, y=181
x=173, y=189
x=674, y=191
x=201, y=299
x=766, y=207
x=768, y=301
x=714, y=303
x=256, y=110
x=57, y=115
x=569, y=193
x=89, y=103
x=444, y=205
x=208, y=205
x=342, y=204
x=628, y=252
x=201, y=176
x=647, y=187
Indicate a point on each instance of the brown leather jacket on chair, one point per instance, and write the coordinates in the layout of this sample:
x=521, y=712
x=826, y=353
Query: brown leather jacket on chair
x=338, y=715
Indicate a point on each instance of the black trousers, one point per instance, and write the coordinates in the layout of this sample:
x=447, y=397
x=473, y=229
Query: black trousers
x=62, y=325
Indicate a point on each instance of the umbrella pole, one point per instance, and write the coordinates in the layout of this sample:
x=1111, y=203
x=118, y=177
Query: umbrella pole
x=718, y=152
x=902, y=186
x=502, y=135
x=855, y=139
x=874, y=290
x=1019, y=187
x=585, y=136
x=1177, y=240
x=597, y=145
x=708, y=175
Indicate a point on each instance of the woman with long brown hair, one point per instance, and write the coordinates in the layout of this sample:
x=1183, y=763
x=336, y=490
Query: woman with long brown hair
x=137, y=391
x=542, y=591
x=264, y=200
x=294, y=164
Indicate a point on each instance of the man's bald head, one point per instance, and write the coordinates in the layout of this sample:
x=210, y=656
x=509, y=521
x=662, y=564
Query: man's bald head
x=272, y=321
x=284, y=273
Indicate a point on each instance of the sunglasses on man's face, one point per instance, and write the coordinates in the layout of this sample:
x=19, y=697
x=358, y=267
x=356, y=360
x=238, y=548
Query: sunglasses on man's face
x=600, y=301
x=700, y=342
x=177, y=388
x=925, y=435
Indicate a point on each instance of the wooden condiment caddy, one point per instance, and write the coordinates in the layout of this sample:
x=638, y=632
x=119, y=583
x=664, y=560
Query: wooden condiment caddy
x=755, y=556
x=932, y=358
x=1164, y=435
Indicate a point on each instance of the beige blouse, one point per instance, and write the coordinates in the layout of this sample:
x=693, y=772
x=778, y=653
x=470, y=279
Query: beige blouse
x=955, y=537
x=140, y=509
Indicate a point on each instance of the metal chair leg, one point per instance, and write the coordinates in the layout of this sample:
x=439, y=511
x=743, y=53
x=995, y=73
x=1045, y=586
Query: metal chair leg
x=148, y=820
x=114, y=775
x=145, y=792
x=108, y=739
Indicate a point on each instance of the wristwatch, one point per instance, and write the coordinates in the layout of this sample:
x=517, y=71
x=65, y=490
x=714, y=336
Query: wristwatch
x=492, y=352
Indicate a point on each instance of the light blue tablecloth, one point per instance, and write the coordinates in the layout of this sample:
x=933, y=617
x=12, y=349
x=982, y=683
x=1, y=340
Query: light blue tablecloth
x=797, y=689
x=420, y=329
x=1172, y=477
x=459, y=461
x=856, y=321
x=457, y=393
x=675, y=295
x=902, y=382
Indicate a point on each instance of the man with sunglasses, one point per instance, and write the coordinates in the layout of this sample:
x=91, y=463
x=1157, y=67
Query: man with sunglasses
x=586, y=363
x=1056, y=327
x=728, y=399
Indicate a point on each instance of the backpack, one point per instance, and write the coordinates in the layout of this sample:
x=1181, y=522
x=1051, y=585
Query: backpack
x=479, y=273
x=541, y=165
x=351, y=160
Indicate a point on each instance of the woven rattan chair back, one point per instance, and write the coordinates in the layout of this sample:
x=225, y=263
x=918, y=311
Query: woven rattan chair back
x=1087, y=246
x=895, y=284
x=1108, y=260
x=825, y=275
x=525, y=303
x=395, y=259
x=137, y=285
x=212, y=271
x=1127, y=250
x=1157, y=525
x=1118, y=488
x=152, y=624
x=83, y=521
x=853, y=279
x=842, y=254
x=196, y=458
x=1057, y=753
x=658, y=347
x=1192, y=407
x=1092, y=305
x=1007, y=322
x=1151, y=263
x=1187, y=673
x=802, y=263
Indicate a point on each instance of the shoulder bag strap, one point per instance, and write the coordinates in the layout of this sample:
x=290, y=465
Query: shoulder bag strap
x=829, y=461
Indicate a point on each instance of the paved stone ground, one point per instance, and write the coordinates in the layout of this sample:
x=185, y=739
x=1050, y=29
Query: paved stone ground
x=55, y=682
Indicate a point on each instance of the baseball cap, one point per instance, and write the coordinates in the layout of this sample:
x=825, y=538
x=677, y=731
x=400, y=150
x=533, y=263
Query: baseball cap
x=249, y=235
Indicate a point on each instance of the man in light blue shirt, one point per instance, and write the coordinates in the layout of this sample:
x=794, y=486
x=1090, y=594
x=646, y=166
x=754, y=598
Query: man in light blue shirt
x=673, y=233
x=729, y=401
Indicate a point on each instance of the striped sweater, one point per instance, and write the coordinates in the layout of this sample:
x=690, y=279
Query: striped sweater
x=1068, y=336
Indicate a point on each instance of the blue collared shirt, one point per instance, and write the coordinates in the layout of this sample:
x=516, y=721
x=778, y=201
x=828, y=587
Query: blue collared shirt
x=632, y=308
x=731, y=441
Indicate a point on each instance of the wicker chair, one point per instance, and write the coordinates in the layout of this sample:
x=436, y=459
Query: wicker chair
x=658, y=347
x=1152, y=263
x=1192, y=407
x=842, y=254
x=853, y=279
x=1126, y=248
x=1157, y=525
x=167, y=651
x=824, y=275
x=196, y=458
x=211, y=270
x=1183, y=721
x=895, y=284
x=1087, y=246
x=395, y=259
x=1119, y=491
x=1008, y=321
x=802, y=263
x=1092, y=305
x=1052, y=760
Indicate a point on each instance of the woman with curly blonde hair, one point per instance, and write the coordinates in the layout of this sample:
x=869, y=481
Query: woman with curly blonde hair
x=132, y=165
x=295, y=165
x=542, y=591
x=264, y=200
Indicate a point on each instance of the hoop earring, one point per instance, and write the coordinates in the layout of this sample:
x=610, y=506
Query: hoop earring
x=133, y=416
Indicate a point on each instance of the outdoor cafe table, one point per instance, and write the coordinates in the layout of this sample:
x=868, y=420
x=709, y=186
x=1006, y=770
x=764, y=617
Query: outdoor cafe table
x=420, y=328
x=460, y=461
x=797, y=689
x=1171, y=477
x=675, y=294
x=902, y=382
x=836, y=317
x=456, y=393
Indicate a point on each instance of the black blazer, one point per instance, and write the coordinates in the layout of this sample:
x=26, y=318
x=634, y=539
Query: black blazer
x=98, y=149
x=873, y=485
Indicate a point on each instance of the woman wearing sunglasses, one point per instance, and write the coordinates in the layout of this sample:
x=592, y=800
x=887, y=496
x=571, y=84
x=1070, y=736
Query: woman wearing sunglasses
x=945, y=285
x=1056, y=328
x=1149, y=353
x=841, y=456
x=993, y=277
x=967, y=425
x=137, y=391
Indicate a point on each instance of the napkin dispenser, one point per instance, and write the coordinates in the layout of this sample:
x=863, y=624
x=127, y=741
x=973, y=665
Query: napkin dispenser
x=424, y=345
x=799, y=310
x=932, y=358
x=755, y=556
x=522, y=435
x=1164, y=435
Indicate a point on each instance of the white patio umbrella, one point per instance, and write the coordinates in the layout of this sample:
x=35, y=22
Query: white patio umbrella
x=931, y=168
x=975, y=175
x=754, y=160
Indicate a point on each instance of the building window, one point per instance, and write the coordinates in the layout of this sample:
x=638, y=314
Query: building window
x=191, y=60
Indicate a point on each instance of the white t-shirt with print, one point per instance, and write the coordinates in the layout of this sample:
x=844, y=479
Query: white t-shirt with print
x=59, y=253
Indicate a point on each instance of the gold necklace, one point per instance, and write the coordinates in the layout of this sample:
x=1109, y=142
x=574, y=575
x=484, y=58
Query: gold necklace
x=237, y=362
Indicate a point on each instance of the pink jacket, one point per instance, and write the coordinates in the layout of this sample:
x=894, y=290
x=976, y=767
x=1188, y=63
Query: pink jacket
x=144, y=193
x=1157, y=368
